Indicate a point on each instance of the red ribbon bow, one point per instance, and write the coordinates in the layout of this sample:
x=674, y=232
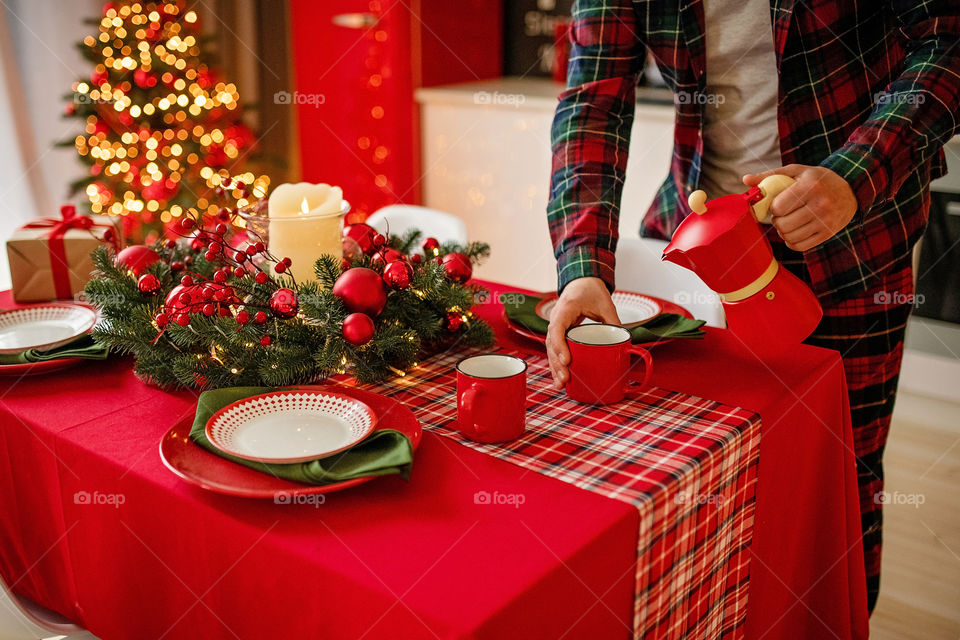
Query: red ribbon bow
x=69, y=219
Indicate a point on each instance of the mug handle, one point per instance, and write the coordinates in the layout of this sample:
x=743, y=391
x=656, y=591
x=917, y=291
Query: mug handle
x=647, y=366
x=465, y=406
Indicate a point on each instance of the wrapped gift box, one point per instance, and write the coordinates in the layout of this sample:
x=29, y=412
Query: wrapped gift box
x=50, y=258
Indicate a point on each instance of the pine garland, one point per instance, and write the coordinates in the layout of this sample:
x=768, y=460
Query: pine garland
x=212, y=351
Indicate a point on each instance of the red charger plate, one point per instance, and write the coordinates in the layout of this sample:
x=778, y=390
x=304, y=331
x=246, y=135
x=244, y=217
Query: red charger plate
x=665, y=307
x=198, y=466
x=37, y=368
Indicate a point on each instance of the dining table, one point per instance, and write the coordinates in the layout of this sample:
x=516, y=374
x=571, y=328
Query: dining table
x=718, y=502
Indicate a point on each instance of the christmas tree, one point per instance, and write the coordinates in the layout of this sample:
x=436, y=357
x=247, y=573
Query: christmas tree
x=161, y=130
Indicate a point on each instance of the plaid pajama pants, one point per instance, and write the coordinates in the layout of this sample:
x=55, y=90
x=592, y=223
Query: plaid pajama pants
x=868, y=332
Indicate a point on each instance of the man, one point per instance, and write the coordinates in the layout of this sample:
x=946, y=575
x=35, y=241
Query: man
x=852, y=99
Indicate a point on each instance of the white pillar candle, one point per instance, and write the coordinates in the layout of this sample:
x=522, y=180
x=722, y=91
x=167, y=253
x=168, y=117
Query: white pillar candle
x=305, y=222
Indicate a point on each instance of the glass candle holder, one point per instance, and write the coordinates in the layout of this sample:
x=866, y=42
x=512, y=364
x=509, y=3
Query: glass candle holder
x=303, y=237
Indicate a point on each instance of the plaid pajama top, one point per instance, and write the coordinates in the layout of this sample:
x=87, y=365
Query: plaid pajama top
x=868, y=89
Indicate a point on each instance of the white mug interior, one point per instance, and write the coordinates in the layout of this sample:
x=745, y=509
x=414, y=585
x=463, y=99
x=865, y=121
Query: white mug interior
x=598, y=334
x=491, y=365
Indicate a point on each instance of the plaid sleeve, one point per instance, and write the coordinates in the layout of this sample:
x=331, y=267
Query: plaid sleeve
x=590, y=138
x=915, y=115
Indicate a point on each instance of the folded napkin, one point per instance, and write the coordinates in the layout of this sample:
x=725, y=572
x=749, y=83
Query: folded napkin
x=383, y=452
x=663, y=326
x=83, y=347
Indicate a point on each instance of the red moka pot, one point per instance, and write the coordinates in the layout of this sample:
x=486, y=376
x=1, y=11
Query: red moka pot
x=767, y=307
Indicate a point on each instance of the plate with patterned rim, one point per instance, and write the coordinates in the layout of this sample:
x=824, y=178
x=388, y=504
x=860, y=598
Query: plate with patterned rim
x=205, y=469
x=632, y=308
x=44, y=326
x=290, y=426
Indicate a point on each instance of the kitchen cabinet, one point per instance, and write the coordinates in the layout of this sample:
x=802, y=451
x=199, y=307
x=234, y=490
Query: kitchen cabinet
x=486, y=159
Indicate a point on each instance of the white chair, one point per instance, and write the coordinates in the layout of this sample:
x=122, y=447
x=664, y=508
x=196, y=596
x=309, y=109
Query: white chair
x=445, y=227
x=640, y=269
x=23, y=619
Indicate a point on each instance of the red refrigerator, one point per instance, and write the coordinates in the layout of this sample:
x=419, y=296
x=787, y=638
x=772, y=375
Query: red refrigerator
x=356, y=65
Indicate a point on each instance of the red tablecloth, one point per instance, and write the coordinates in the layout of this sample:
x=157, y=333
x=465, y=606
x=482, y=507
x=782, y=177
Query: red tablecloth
x=687, y=464
x=174, y=561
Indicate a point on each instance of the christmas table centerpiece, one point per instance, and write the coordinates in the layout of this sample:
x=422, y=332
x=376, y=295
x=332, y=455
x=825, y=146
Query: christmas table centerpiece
x=217, y=308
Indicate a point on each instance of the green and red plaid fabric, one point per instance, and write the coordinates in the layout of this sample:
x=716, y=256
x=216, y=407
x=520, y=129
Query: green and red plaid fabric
x=870, y=90
x=687, y=464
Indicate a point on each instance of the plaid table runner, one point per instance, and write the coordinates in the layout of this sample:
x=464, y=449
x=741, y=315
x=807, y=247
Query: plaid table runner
x=687, y=464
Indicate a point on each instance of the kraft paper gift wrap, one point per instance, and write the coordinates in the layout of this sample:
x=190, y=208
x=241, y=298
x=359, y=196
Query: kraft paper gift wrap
x=50, y=258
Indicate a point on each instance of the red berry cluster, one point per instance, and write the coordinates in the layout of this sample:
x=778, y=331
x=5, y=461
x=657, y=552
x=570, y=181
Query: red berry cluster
x=237, y=271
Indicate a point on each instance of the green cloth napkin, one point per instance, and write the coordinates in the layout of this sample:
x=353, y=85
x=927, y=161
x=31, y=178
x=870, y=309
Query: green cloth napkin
x=83, y=347
x=383, y=452
x=665, y=325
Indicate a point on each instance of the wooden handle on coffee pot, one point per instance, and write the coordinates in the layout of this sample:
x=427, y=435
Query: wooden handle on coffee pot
x=770, y=187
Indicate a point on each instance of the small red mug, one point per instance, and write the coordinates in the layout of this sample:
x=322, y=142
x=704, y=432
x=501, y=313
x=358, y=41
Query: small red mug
x=600, y=371
x=492, y=397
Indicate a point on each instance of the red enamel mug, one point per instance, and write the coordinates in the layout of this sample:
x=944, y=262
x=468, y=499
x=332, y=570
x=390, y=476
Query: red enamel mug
x=600, y=371
x=492, y=397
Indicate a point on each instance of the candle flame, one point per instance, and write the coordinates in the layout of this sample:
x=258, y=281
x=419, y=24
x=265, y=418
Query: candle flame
x=304, y=207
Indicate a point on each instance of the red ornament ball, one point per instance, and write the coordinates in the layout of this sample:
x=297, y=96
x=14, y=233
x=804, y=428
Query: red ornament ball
x=454, y=321
x=183, y=319
x=431, y=246
x=98, y=77
x=358, y=329
x=416, y=258
x=172, y=304
x=358, y=239
x=386, y=256
x=458, y=267
x=144, y=79
x=361, y=290
x=136, y=258
x=162, y=320
x=398, y=274
x=148, y=284
x=379, y=240
x=283, y=303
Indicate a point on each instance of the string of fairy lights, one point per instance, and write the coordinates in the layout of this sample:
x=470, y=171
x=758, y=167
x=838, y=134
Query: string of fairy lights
x=159, y=118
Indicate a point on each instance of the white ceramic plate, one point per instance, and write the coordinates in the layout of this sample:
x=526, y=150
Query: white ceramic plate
x=290, y=426
x=44, y=326
x=632, y=308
